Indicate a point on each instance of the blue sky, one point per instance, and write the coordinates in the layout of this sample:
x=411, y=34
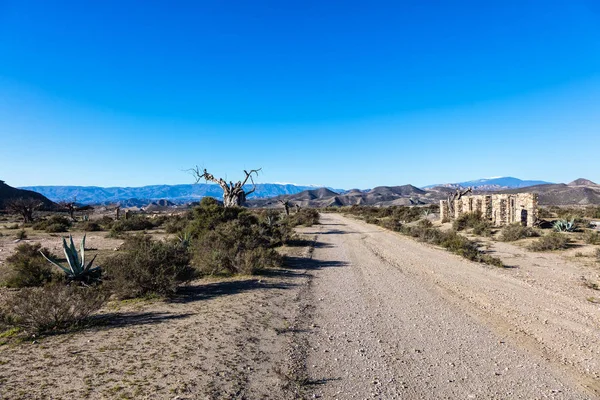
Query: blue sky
x=338, y=93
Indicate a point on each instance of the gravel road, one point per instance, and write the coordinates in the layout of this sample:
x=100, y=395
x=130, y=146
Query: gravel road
x=397, y=319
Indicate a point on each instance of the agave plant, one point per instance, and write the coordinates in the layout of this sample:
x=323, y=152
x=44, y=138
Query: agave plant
x=562, y=225
x=184, y=239
x=78, y=270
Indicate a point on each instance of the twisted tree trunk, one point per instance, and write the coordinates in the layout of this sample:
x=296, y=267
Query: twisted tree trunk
x=456, y=196
x=234, y=195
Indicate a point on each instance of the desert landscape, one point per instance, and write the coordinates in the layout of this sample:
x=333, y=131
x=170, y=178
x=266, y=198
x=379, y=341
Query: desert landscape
x=360, y=301
x=279, y=200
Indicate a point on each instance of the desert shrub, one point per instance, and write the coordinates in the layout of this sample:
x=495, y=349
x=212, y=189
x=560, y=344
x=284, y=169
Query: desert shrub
x=176, y=224
x=592, y=212
x=453, y=242
x=21, y=235
x=56, y=228
x=553, y=241
x=544, y=212
x=133, y=223
x=598, y=255
x=54, y=307
x=105, y=222
x=28, y=267
x=591, y=237
x=425, y=223
x=275, y=229
x=159, y=220
x=12, y=226
x=145, y=266
x=513, y=232
x=467, y=220
x=234, y=247
x=388, y=223
x=483, y=228
x=90, y=226
x=55, y=224
x=305, y=217
x=210, y=214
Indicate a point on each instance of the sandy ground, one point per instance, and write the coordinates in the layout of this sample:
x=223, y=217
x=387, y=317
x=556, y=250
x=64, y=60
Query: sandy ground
x=363, y=314
x=220, y=339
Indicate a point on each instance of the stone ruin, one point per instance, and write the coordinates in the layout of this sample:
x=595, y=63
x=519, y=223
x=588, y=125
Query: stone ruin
x=500, y=209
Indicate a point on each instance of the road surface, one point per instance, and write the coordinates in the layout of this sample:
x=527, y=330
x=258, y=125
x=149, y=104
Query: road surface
x=392, y=318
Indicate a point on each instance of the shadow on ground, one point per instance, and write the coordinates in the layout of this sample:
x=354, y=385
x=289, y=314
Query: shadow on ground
x=117, y=320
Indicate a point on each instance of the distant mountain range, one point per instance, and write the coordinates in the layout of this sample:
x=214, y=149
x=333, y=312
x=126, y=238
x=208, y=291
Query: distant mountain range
x=578, y=192
x=497, y=183
x=194, y=192
x=174, y=193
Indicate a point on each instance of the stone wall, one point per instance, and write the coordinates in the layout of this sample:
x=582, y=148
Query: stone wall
x=500, y=209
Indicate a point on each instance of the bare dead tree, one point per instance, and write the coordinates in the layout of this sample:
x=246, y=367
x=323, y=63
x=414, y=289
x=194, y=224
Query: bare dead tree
x=24, y=206
x=286, y=204
x=70, y=206
x=118, y=212
x=457, y=196
x=234, y=195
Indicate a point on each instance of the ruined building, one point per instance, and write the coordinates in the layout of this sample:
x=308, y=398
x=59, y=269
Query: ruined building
x=500, y=209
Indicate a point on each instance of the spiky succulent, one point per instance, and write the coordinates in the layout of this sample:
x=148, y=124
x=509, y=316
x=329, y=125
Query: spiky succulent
x=78, y=269
x=562, y=225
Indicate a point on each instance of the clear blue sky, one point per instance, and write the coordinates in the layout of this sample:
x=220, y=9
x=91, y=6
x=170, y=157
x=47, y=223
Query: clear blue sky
x=339, y=93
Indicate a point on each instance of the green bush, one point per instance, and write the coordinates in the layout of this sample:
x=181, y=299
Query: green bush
x=467, y=220
x=90, y=226
x=21, y=235
x=553, y=241
x=234, y=247
x=304, y=217
x=516, y=231
x=144, y=267
x=105, y=222
x=591, y=237
x=176, y=224
x=483, y=228
x=210, y=214
x=388, y=223
x=54, y=307
x=55, y=224
x=133, y=223
x=28, y=267
x=453, y=242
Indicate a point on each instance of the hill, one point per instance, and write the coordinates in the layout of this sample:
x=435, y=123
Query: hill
x=582, y=182
x=561, y=194
x=8, y=193
x=381, y=196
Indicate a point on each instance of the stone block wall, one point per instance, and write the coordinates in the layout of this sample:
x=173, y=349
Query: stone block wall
x=500, y=209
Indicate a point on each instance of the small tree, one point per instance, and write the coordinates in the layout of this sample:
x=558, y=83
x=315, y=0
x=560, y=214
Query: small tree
x=286, y=204
x=234, y=195
x=457, y=196
x=24, y=207
x=70, y=207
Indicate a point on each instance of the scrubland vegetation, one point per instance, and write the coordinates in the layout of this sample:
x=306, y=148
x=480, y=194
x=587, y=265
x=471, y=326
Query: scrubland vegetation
x=53, y=294
x=558, y=234
x=402, y=219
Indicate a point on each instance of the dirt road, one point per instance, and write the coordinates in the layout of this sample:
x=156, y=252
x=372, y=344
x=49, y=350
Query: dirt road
x=393, y=318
